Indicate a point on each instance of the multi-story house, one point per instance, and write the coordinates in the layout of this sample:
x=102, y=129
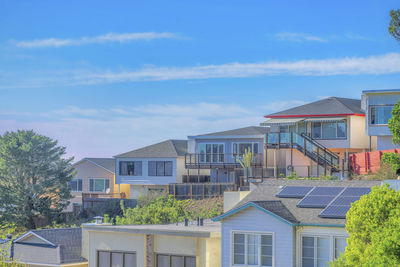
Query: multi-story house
x=151, y=168
x=94, y=178
x=218, y=154
x=378, y=105
x=316, y=138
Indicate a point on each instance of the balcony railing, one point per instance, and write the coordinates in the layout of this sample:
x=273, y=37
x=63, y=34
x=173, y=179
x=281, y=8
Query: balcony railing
x=218, y=160
x=104, y=195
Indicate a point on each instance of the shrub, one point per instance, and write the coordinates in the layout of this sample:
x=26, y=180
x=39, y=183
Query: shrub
x=391, y=159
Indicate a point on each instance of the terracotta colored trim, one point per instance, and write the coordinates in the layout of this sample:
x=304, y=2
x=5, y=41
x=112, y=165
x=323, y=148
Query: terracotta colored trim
x=314, y=115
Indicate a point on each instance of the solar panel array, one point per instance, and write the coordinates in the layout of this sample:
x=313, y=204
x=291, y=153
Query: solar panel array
x=335, y=201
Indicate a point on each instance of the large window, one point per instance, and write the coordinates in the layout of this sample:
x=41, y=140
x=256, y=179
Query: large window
x=211, y=152
x=116, y=259
x=99, y=185
x=380, y=115
x=130, y=168
x=329, y=130
x=76, y=185
x=316, y=251
x=160, y=168
x=240, y=148
x=175, y=261
x=252, y=249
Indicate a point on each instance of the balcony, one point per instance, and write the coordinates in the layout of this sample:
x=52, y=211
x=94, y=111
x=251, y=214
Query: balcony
x=218, y=160
x=104, y=195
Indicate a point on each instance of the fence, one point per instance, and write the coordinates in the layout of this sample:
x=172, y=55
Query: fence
x=367, y=162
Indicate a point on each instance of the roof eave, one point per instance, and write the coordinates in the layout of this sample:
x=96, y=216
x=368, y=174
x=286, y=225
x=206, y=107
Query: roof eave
x=313, y=115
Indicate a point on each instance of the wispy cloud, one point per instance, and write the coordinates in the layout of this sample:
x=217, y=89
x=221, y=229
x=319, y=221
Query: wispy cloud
x=106, y=38
x=372, y=65
x=299, y=37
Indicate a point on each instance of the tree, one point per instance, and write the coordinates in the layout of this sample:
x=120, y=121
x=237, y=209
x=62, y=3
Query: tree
x=394, y=26
x=373, y=224
x=394, y=123
x=34, y=178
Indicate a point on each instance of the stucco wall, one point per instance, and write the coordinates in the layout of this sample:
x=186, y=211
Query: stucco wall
x=258, y=222
x=140, y=190
x=232, y=198
x=385, y=143
x=358, y=137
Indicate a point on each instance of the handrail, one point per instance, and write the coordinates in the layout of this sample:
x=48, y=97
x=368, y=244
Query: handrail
x=319, y=145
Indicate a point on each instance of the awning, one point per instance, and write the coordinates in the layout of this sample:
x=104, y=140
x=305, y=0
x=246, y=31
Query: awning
x=325, y=119
x=281, y=121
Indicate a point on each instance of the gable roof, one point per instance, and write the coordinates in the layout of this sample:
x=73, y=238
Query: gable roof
x=69, y=240
x=264, y=196
x=328, y=107
x=105, y=163
x=250, y=130
x=167, y=149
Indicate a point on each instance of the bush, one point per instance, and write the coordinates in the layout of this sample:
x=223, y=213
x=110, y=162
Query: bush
x=385, y=172
x=391, y=159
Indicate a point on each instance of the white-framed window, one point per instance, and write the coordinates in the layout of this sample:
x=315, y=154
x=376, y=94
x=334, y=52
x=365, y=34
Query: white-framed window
x=166, y=260
x=252, y=249
x=101, y=185
x=130, y=168
x=160, y=168
x=211, y=152
x=116, y=258
x=240, y=148
x=380, y=115
x=76, y=185
x=318, y=251
x=329, y=130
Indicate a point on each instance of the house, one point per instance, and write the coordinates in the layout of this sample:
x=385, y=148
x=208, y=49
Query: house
x=151, y=168
x=289, y=223
x=95, y=178
x=217, y=154
x=50, y=247
x=378, y=105
x=170, y=245
x=316, y=138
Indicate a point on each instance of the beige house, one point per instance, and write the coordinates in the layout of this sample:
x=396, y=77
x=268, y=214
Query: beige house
x=172, y=245
x=95, y=178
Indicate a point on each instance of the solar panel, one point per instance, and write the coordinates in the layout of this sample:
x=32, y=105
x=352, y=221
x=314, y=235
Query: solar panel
x=294, y=191
x=326, y=191
x=344, y=201
x=337, y=212
x=315, y=201
x=356, y=191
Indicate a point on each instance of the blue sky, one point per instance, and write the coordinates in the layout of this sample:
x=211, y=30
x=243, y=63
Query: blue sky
x=107, y=77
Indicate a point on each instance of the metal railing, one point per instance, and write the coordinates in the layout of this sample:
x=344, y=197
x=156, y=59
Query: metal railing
x=104, y=195
x=210, y=160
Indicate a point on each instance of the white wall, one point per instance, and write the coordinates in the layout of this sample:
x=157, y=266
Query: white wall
x=252, y=219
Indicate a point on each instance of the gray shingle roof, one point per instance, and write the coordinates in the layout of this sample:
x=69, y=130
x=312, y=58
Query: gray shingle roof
x=265, y=194
x=107, y=163
x=166, y=149
x=68, y=239
x=250, y=130
x=330, y=105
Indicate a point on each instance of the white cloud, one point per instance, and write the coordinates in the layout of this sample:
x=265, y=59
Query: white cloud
x=299, y=37
x=106, y=38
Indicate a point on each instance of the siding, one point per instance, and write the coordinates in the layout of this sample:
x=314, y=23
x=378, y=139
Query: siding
x=252, y=219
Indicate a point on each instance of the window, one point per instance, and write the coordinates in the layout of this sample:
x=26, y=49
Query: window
x=76, y=185
x=240, y=148
x=175, y=261
x=99, y=185
x=211, y=152
x=317, y=251
x=116, y=259
x=130, y=168
x=329, y=130
x=380, y=115
x=252, y=249
x=340, y=245
x=160, y=168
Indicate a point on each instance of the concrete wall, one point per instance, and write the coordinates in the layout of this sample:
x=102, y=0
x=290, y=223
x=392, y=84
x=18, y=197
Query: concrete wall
x=140, y=190
x=145, y=179
x=254, y=220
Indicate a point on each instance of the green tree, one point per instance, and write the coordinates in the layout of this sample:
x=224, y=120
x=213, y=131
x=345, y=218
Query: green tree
x=34, y=178
x=394, y=123
x=373, y=224
x=394, y=26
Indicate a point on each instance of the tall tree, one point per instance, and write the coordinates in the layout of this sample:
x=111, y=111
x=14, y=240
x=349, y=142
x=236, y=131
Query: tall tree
x=394, y=26
x=394, y=123
x=34, y=178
